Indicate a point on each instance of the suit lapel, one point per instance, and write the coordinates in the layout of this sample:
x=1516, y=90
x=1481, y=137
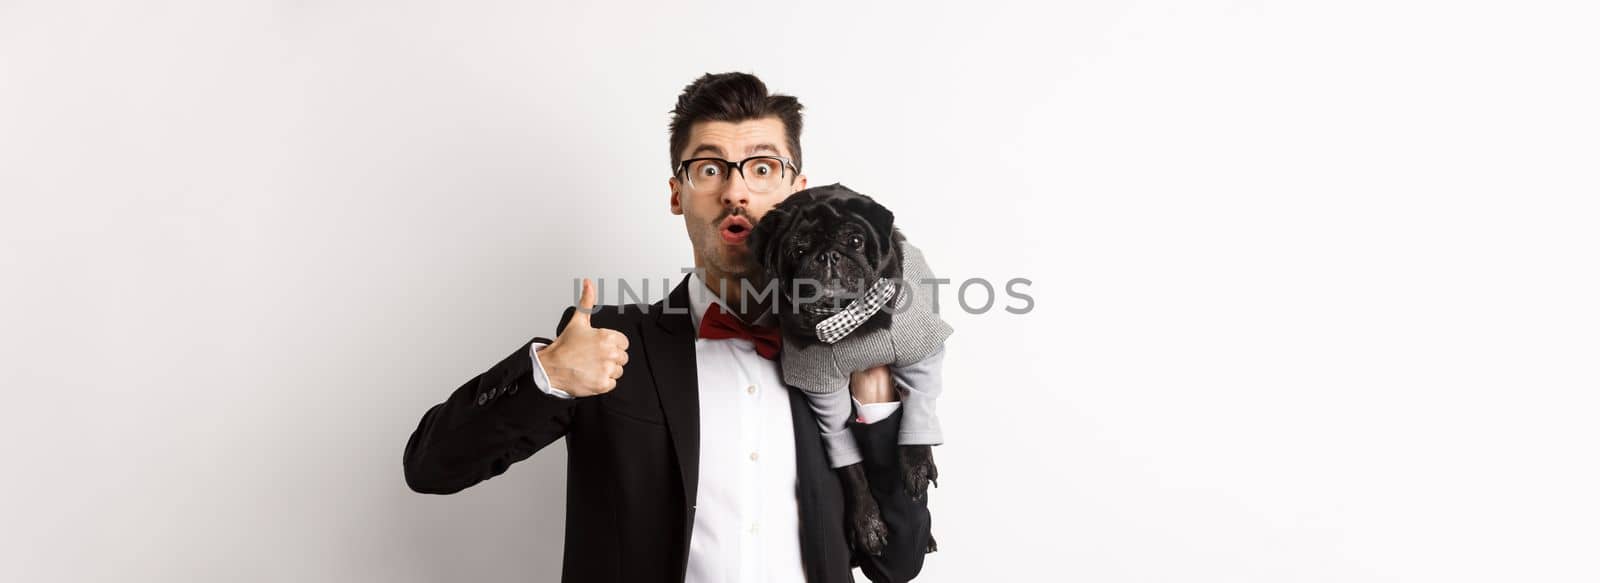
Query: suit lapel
x=809, y=457
x=669, y=335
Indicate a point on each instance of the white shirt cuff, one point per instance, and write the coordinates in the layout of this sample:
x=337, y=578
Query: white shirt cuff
x=875, y=412
x=539, y=378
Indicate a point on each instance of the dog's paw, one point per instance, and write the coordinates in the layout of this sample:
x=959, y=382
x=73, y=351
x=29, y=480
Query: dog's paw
x=917, y=469
x=933, y=546
x=868, y=533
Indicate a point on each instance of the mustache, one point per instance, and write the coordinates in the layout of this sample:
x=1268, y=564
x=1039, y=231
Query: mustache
x=728, y=212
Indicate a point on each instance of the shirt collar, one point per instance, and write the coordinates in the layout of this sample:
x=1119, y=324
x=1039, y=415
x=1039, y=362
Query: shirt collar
x=701, y=297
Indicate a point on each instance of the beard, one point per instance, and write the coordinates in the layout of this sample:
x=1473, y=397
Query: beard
x=729, y=261
x=722, y=259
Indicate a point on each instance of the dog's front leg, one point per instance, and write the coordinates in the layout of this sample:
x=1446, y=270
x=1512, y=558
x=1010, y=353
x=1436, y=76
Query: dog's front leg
x=917, y=469
x=867, y=530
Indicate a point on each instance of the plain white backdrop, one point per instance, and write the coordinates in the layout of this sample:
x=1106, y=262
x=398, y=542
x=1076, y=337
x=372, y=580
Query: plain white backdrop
x=1315, y=282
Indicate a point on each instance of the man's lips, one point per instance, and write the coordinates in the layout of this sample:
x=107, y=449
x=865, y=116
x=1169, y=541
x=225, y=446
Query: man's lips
x=735, y=229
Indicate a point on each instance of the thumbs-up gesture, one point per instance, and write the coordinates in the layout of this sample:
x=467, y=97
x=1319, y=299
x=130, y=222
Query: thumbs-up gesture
x=585, y=361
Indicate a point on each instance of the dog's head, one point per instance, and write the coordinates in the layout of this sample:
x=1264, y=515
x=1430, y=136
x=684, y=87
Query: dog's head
x=824, y=246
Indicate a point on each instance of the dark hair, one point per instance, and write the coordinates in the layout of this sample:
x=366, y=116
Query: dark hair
x=732, y=97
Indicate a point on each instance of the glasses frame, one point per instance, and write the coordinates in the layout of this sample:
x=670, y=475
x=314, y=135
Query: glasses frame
x=683, y=167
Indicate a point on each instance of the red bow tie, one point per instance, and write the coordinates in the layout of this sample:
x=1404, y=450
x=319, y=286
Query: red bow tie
x=717, y=324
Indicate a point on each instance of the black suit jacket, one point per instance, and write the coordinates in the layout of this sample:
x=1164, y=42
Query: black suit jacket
x=633, y=459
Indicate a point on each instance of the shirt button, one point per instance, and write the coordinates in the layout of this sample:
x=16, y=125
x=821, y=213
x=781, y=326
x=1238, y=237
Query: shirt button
x=754, y=456
x=750, y=389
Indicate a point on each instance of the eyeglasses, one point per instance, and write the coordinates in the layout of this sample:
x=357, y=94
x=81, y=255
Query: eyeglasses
x=711, y=174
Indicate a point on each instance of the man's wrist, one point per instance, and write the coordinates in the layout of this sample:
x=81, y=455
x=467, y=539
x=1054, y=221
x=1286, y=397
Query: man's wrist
x=541, y=372
x=873, y=385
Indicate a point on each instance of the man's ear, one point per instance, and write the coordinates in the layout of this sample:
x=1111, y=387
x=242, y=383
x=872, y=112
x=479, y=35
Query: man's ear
x=677, y=201
x=800, y=183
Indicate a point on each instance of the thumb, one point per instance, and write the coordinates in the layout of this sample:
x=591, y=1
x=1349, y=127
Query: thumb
x=580, y=317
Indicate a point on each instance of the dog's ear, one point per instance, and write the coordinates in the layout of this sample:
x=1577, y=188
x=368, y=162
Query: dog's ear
x=766, y=239
x=879, y=217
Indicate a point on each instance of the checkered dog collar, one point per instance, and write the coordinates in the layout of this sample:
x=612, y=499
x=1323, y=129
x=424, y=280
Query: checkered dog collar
x=852, y=316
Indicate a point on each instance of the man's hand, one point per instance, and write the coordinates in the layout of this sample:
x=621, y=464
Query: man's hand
x=873, y=385
x=585, y=361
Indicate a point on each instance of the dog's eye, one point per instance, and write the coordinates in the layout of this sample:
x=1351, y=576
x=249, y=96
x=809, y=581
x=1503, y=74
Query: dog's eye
x=855, y=242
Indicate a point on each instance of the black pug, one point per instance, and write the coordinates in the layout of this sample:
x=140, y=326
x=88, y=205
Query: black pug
x=847, y=300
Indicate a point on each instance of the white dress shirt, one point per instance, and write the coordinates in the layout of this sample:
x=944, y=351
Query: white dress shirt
x=747, y=519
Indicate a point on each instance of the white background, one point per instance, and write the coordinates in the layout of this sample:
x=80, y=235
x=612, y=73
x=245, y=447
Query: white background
x=1315, y=282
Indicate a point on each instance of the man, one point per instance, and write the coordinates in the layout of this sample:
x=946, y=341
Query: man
x=688, y=459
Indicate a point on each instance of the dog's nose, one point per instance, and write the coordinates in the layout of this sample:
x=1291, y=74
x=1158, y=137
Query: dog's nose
x=830, y=263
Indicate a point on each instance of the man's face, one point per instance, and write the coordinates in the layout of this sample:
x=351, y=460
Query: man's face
x=719, y=219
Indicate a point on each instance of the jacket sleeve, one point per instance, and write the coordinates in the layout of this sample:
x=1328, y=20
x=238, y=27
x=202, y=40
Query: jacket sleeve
x=496, y=419
x=910, y=525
